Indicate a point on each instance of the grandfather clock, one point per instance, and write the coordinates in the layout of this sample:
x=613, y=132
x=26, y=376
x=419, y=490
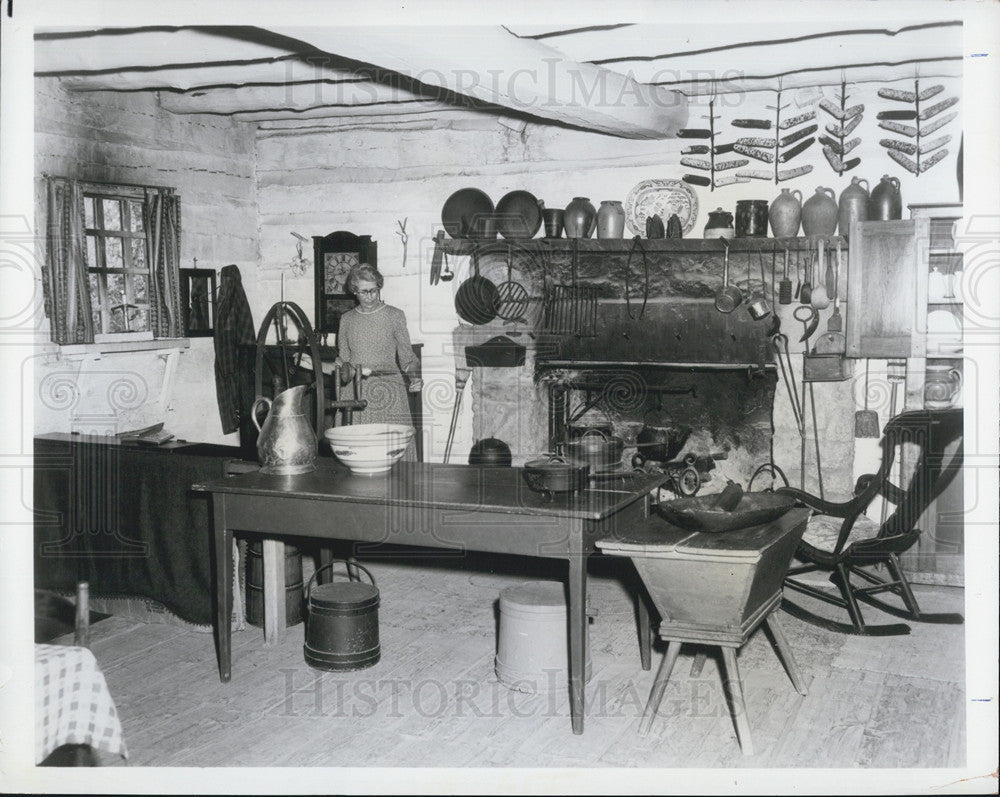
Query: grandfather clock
x=334, y=257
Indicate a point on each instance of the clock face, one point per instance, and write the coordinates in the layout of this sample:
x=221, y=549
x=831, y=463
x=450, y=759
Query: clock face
x=337, y=266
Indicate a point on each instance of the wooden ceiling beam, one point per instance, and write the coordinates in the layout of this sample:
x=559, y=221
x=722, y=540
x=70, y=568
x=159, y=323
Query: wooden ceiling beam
x=495, y=67
x=292, y=97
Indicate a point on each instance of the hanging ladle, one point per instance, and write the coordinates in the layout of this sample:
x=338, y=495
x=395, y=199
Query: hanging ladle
x=759, y=308
x=728, y=297
x=447, y=275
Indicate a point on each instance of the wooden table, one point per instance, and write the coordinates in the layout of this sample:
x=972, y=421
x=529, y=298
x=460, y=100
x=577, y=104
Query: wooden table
x=429, y=505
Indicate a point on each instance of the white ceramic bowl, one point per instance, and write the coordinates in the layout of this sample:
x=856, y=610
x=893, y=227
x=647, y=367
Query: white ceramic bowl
x=369, y=448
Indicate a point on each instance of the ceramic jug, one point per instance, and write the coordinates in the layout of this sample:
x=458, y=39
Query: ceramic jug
x=720, y=224
x=286, y=443
x=941, y=386
x=611, y=219
x=785, y=213
x=853, y=205
x=819, y=213
x=886, y=203
x=579, y=218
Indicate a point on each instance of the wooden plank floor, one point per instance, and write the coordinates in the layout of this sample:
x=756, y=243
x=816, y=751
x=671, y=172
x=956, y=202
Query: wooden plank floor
x=434, y=700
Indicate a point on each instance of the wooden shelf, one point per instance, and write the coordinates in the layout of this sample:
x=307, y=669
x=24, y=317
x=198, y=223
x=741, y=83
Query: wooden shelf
x=464, y=246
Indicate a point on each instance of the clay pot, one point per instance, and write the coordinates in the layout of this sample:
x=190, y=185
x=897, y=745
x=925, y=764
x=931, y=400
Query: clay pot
x=819, y=213
x=611, y=219
x=785, y=213
x=751, y=218
x=579, y=218
x=886, y=203
x=553, y=219
x=720, y=224
x=853, y=205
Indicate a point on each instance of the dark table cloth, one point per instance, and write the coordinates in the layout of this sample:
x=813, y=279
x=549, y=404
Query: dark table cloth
x=123, y=517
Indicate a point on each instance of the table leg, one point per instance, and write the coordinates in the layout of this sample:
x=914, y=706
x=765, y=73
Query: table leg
x=577, y=638
x=223, y=586
x=739, y=704
x=274, y=590
x=645, y=634
x=785, y=654
x=659, y=686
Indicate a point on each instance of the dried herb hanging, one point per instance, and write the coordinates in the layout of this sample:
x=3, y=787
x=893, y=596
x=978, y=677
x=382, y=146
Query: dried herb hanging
x=919, y=154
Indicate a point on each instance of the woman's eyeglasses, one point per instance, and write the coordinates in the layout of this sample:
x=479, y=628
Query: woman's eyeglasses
x=368, y=292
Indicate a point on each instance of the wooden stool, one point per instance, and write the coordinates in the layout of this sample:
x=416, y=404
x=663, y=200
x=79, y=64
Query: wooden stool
x=713, y=589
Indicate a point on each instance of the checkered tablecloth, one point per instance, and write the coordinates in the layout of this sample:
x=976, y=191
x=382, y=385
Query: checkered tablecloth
x=72, y=702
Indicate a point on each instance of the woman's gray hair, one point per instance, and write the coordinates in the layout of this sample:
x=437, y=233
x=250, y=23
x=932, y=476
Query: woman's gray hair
x=365, y=272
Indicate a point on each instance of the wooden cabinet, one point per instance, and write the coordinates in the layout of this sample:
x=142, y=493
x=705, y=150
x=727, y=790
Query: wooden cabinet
x=887, y=289
x=938, y=556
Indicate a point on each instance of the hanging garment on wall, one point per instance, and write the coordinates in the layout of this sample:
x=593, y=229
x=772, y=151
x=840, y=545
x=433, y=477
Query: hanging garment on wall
x=233, y=327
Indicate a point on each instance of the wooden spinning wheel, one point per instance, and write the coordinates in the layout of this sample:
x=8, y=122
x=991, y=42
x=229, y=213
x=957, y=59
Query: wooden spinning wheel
x=277, y=364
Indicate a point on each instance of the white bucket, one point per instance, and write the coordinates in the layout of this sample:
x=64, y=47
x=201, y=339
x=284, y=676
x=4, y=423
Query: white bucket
x=533, y=647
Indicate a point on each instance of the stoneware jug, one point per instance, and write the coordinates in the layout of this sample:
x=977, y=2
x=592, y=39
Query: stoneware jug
x=941, y=386
x=720, y=224
x=286, y=443
x=611, y=219
x=579, y=218
x=819, y=213
x=886, y=203
x=785, y=213
x=853, y=205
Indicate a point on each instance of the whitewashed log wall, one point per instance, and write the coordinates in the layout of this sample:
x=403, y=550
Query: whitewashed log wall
x=127, y=138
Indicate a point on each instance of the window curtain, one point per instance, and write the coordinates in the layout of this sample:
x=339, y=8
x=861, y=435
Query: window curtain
x=162, y=217
x=67, y=290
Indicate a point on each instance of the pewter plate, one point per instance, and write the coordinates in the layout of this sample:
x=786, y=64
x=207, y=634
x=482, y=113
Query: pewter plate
x=663, y=198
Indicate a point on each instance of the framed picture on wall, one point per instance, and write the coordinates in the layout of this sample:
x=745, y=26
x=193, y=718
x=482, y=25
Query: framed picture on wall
x=334, y=257
x=198, y=301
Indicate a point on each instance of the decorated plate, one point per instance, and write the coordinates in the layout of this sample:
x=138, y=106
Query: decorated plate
x=661, y=198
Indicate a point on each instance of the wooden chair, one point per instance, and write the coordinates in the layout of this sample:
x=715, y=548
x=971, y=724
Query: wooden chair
x=841, y=539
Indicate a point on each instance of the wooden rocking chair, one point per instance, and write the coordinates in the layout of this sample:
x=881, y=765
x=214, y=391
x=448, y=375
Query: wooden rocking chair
x=841, y=539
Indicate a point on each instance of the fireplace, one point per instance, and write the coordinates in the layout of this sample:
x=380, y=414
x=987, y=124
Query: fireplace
x=662, y=354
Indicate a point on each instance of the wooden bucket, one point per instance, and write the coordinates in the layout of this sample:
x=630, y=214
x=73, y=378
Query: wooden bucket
x=342, y=623
x=255, y=584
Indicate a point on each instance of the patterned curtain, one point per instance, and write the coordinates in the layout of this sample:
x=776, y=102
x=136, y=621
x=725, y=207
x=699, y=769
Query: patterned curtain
x=67, y=290
x=162, y=217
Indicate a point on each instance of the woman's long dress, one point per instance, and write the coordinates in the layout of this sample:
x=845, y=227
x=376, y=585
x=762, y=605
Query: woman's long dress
x=379, y=341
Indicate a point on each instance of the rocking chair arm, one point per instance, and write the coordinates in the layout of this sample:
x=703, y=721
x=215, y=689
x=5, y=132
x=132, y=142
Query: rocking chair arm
x=821, y=505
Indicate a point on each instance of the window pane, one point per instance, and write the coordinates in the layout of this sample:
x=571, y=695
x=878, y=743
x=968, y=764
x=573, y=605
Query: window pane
x=135, y=216
x=88, y=211
x=138, y=252
x=92, y=252
x=116, y=286
x=139, y=318
x=113, y=252
x=95, y=298
x=117, y=320
x=139, y=287
x=112, y=214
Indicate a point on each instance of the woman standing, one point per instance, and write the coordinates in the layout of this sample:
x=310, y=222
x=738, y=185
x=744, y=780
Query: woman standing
x=373, y=338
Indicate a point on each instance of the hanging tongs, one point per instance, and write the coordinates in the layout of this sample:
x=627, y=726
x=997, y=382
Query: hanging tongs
x=636, y=244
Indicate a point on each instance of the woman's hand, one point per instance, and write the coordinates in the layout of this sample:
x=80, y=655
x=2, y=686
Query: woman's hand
x=416, y=385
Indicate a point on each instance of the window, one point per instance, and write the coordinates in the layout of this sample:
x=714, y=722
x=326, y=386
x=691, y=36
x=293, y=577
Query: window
x=112, y=262
x=117, y=264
